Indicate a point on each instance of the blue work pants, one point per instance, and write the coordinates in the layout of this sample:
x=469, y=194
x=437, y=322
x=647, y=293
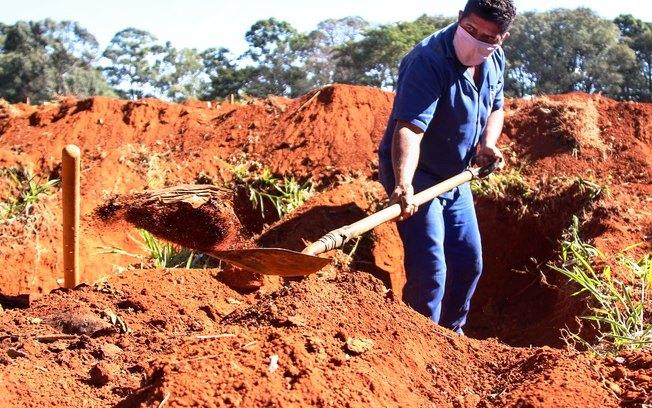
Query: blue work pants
x=443, y=253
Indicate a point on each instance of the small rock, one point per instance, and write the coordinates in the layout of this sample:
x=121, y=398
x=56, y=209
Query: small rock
x=71, y=323
x=292, y=372
x=618, y=373
x=34, y=320
x=211, y=312
x=337, y=361
x=13, y=353
x=341, y=334
x=297, y=321
x=314, y=345
x=103, y=373
x=58, y=346
x=273, y=363
x=359, y=346
x=108, y=351
x=615, y=388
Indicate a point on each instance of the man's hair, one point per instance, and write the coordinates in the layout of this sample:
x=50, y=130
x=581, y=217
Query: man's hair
x=501, y=12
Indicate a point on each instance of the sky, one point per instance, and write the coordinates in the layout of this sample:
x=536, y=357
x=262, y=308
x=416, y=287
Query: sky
x=223, y=23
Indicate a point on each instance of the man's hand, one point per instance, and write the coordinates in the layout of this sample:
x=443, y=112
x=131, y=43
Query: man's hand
x=487, y=154
x=404, y=195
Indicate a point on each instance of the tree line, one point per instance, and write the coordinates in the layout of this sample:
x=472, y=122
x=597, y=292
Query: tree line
x=555, y=51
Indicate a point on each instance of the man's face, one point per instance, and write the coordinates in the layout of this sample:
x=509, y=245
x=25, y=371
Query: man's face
x=482, y=30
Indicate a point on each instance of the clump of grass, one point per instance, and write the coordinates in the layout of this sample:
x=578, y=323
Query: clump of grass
x=617, y=306
x=167, y=255
x=591, y=189
x=163, y=254
x=28, y=190
x=285, y=194
x=498, y=185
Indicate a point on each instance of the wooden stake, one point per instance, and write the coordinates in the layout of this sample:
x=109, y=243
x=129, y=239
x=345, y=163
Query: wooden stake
x=70, y=182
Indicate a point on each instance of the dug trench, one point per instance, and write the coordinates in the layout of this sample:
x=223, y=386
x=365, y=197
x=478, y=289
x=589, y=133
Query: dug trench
x=519, y=299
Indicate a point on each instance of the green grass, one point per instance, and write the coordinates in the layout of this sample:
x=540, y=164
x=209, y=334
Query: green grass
x=500, y=184
x=617, y=306
x=163, y=254
x=285, y=194
x=28, y=191
x=167, y=255
x=591, y=189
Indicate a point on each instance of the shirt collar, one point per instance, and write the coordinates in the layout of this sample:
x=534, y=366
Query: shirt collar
x=448, y=34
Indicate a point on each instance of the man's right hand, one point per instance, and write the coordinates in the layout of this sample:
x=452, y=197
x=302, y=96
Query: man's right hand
x=404, y=195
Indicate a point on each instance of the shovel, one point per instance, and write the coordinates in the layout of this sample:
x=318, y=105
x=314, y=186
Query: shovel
x=284, y=262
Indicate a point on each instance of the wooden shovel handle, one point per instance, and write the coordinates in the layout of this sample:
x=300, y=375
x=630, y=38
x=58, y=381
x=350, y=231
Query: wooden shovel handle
x=338, y=237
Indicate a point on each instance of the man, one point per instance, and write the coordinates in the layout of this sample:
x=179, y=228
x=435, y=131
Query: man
x=448, y=110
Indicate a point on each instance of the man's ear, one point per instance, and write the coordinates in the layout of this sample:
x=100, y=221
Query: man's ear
x=459, y=15
x=506, y=36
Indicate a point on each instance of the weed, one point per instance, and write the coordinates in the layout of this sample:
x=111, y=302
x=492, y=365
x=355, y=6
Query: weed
x=498, y=185
x=166, y=255
x=590, y=189
x=149, y=164
x=163, y=254
x=28, y=190
x=617, y=306
x=285, y=195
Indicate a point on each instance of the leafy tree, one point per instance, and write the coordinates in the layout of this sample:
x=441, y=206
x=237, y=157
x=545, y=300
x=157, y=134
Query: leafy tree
x=133, y=57
x=374, y=59
x=638, y=36
x=566, y=50
x=279, y=52
x=225, y=78
x=40, y=60
x=329, y=35
x=180, y=73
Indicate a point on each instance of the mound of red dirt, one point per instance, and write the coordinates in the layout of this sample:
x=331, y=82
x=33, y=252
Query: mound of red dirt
x=181, y=337
x=131, y=146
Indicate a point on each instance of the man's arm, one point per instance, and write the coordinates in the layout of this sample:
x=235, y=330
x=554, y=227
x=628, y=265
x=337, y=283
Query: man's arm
x=406, y=146
x=487, y=151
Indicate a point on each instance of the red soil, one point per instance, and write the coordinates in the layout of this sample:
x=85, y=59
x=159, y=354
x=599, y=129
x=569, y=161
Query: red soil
x=330, y=135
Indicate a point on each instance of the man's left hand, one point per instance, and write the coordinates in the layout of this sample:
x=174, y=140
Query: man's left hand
x=487, y=154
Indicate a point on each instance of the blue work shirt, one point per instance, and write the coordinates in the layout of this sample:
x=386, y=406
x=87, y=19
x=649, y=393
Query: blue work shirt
x=436, y=93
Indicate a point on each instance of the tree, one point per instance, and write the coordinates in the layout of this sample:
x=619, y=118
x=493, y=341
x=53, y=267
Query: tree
x=565, y=50
x=44, y=59
x=180, y=73
x=638, y=36
x=329, y=35
x=133, y=55
x=225, y=78
x=279, y=53
x=374, y=59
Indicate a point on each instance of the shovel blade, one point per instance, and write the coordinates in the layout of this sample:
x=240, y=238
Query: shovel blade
x=273, y=261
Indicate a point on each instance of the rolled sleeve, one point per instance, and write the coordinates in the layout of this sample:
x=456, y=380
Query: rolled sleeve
x=499, y=99
x=418, y=91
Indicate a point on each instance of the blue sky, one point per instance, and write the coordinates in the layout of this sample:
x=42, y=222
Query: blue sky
x=211, y=23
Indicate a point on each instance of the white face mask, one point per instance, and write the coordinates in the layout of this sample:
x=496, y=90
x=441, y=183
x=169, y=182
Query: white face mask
x=470, y=51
